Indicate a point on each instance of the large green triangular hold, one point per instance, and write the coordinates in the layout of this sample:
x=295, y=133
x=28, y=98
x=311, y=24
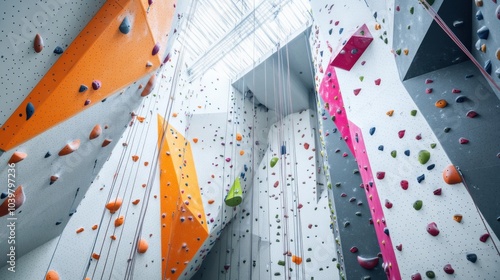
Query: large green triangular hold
x=234, y=197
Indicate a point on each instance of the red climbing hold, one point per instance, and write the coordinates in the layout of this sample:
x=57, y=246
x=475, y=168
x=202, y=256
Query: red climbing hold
x=401, y=134
x=484, y=237
x=448, y=269
x=380, y=175
x=432, y=229
x=149, y=86
x=356, y=91
x=38, y=43
x=416, y=276
x=463, y=140
x=306, y=146
x=388, y=204
x=377, y=82
x=404, y=184
x=438, y=191
x=368, y=263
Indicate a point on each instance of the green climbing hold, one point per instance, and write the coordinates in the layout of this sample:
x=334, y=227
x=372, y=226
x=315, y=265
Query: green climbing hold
x=433, y=145
x=274, y=160
x=281, y=262
x=398, y=51
x=413, y=112
x=234, y=197
x=430, y=274
x=418, y=205
x=412, y=10
x=394, y=154
x=424, y=156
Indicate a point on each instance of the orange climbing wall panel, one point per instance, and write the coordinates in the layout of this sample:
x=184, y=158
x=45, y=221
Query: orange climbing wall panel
x=184, y=226
x=100, y=52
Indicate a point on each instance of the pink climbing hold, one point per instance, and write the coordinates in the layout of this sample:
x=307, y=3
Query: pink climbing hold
x=368, y=263
x=356, y=91
x=432, y=229
x=416, y=276
x=448, y=269
x=377, y=81
x=463, y=140
x=404, y=184
x=428, y=90
x=484, y=237
x=380, y=175
x=228, y=159
x=401, y=133
x=455, y=90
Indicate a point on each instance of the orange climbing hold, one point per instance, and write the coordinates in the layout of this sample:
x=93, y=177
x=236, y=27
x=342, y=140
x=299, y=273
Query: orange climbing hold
x=174, y=115
x=119, y=221
x=451, y=175
x=141, y=119
x=457, y=218
x=52, y=275
x=441, y=103
x=239, y=137
x=135, y=202
x=96, y=132
x=406, y=51
x=211, y=201
x=142, y=246
x=113, y=237
x=297, y=260
x=94, y=227
x=17, y=157
x=95, y=256
x=80, y=230
x=377, y=26
x=19, y=200
x=195, y=140
x=113, y=206
x=149, y=86
x=70, y=147
x=242, y=152
x=390, y=113
x=135, y=158
x=53, y=178
x=106, y=142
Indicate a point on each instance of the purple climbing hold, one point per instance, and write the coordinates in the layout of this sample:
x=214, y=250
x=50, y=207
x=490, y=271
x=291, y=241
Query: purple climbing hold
x=228, y=159
x=463, y=140
x=497, y=12
x=150, y=2
x=448, y=269
x=156, y=49
x=167, y=58
x=377, y=81
x=432, y=229
x=416, y=276
x=484, y=237
x=96, y=84
x=471, y=114
x=438, y=191
x=401, y=134
x=343, y=195
x=404, y=184
x=380, y=175
x=356, y=91
x=428, y=90
x=87, y=102
x=368, y=263
x=456, y=90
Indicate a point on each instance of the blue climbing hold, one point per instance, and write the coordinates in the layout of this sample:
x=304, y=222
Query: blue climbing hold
x=372, y=130
x=381, y=147
x=407, y=153
x=3, y=195
x=460, y=99
x=125, y=26
x=283, y=149
x=386, y=231
x=30, y=110
x=479, y=15
x=472, y=258
x=242, y=175
x=430, y=167
x=341, y=30
x=58, y=50
x=483, y=32
x=330, y=31
x=487, y=66
x=245, y=167
x=83, y=88
x=421, y=178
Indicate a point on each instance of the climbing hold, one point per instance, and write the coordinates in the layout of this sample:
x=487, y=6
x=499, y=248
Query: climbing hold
x=38, y=43
x=407, y=153
x=413, y=113
x=79, y=230
x=401, y=134
x=404, y=184
x=96, y=131
x=460, y=99
x=356, y=91
x=149, y=86
x=87, y=102
x=448, y=269
x=421, y=178
x=438, y=191
x=82, y=88
x=135, y=158
x=380, y=175
x=94, y=227
x=17, y=157
x=70, y=148
x=234, y=197
x=457, y=218
x=96, y=84
x=281, y=262
x=30, y=110
x=58, y=50
x=432, y=229
x=483, y=33
x=428, y=90
x=125, y=26
x=388, y=204
x=487, y=66
x=354, y=249
x=497, y=12
x=377, y=82
x=428, y=81
x=386, y=231
x=416, y=276
x=430, y=274
x=417, y=205
x=156, y=49
x=430, y=167
x=390, y=113
x=6, y=206
x=296, y=259
x=455, y=90
x=273, y=162
x=463, y=140
x=399, y=247
x=114, y=205
x=372, y=130
x=239, y=137
x=394, y=153
x=53, y=179
x=52, y=275
x=441, y=103
x=106, y=142
x=48, y=154
x=479, y=15
x=472, y=257
x=306, y=146
x=418, y=137
x=381, y=147
x=135, y=202
x=484, y=237
x=498, y=50
x=119, y=221
x=447, y=129
x=471, y=114
x=142, y=246
x=424, y=156
x=368, y=263
x=96, y=256
x=433, y=145
x=283, y=149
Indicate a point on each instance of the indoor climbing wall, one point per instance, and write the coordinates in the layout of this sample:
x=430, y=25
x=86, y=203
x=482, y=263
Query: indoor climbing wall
x=63, y=113
x=398, y=146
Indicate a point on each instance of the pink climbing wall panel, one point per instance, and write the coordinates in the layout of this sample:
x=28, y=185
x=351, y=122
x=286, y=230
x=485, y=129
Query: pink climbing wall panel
x=329, y=90
x=351, y=51
x=386, y=247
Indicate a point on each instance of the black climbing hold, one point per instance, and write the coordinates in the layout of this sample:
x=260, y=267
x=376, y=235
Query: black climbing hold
x=30, y=109
x=469, y=76
x=483, y=33
x=381, y=147
x=283, y=149
x=3, y=195
x=447, y=129
x=386, y=231
x=58, y=50
x=460, y=99
x=479, y=15
x=372, y=130
x=407, y=153
x=125, y=26
x=487, y=66
x=48, y=154
x=83, y=88
x=472, y=258
x=58, y=223
x=430, y=167
x=421, y=178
